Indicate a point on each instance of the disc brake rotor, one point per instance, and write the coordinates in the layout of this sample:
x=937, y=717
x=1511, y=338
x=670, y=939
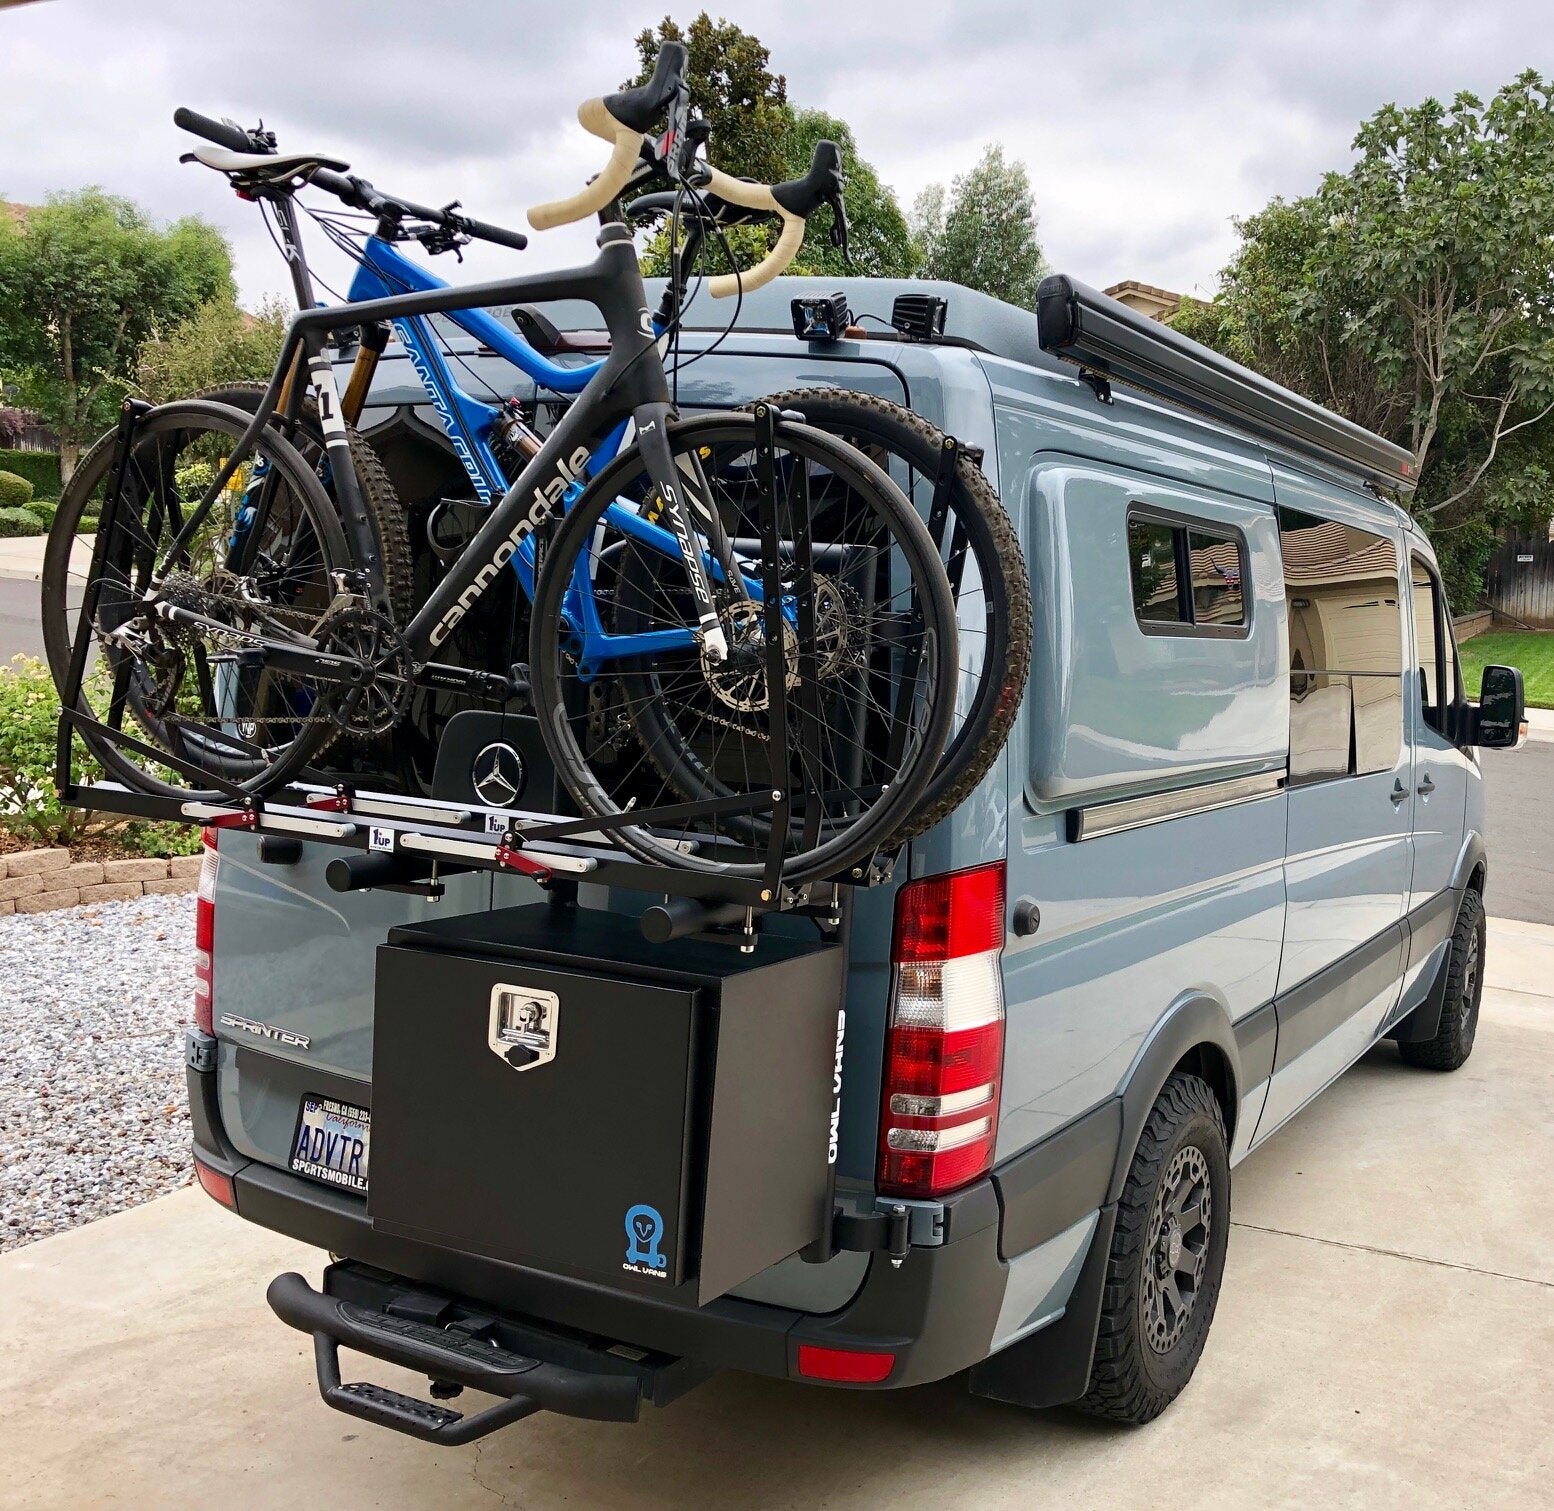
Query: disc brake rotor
x=739, y=681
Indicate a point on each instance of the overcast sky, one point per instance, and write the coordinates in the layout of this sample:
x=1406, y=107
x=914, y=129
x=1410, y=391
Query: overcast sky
x=1145, y=126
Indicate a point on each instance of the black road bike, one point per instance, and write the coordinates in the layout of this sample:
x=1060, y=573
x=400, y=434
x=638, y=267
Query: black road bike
x=797, y=618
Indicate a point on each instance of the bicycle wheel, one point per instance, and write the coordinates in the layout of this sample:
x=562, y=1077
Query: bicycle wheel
x=385, y=510
x=195, y=692
x=868, y=656
x=988, y=580
x=391, y=534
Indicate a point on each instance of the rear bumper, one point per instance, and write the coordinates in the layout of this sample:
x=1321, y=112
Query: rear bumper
x=937, y=1313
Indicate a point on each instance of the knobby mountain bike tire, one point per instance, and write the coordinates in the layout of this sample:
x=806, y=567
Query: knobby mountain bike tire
x=147, y=694
x=868, y=666
x=385, y=511
x=993, y=605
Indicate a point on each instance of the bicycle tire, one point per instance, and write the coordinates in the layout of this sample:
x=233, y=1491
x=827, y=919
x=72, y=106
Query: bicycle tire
x=385, y=513
x=57, y=614
x=995, y=545
x=735, y=433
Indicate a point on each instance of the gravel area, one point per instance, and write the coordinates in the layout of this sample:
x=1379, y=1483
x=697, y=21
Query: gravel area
x=92, y=1106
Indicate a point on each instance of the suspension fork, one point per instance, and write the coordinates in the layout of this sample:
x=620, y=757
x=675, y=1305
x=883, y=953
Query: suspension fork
x=348, y=491
x=374, y=337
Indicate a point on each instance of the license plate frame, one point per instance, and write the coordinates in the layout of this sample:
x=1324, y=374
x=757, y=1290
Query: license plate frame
x=333, y=1128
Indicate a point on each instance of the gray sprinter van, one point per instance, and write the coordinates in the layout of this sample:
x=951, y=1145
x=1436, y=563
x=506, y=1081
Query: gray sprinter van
x=982, y=1121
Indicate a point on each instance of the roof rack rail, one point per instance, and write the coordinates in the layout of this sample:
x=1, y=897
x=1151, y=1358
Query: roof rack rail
x=1103, y=336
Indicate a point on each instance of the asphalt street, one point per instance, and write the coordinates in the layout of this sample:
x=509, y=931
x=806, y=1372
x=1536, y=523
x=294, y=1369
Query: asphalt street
x=21, y=630
x=1519, y=785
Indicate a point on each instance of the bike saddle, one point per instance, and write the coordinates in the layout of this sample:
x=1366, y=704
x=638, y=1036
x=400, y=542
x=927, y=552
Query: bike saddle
x=265, y=167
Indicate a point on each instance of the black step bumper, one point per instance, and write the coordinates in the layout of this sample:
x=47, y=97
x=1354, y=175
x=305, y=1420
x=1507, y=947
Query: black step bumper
x=459, y=1343
x=936, y=1314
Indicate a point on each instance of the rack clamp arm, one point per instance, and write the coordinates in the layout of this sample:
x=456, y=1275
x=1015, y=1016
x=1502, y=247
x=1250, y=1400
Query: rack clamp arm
x=510, y=857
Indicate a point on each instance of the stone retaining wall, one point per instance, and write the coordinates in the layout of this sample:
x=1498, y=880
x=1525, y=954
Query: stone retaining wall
x=36, y=881
x=1470, y=625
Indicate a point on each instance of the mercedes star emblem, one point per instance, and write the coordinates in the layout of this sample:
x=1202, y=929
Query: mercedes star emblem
x=498, y=775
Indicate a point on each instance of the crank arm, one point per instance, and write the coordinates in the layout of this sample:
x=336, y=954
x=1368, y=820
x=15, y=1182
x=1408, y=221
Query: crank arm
x=464, y=679
x=320, y=666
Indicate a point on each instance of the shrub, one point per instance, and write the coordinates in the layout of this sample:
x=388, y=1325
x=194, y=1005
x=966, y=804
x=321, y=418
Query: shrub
x=193, y=480
x=45, y=509
x=15, y=492
x=40, y=468
x=29, y=806
x=20, y=522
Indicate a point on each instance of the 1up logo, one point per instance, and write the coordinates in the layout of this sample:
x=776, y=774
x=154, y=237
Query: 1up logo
x=644, y=1235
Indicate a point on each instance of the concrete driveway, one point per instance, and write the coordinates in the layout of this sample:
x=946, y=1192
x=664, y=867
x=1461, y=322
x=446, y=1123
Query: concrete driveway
x=1385, y=1338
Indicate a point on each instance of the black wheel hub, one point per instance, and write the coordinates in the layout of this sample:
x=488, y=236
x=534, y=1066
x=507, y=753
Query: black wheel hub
x=1177, y=1248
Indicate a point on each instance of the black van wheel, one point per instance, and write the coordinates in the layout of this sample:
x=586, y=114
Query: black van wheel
x=1167, y=1256
x=1453, y=1041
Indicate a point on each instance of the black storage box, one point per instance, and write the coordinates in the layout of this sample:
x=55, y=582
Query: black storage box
x=551, y=1090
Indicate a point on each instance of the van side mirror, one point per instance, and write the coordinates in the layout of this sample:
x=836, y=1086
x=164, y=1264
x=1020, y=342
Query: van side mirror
x=1496, y=722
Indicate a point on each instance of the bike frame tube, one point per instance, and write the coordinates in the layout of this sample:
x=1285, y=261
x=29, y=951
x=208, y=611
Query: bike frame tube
x=468, y=420
x=628, y=387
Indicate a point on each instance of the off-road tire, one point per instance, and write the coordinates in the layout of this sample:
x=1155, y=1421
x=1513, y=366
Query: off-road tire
x=1131, y=1380
x=1453, y=1041
x=390, y=525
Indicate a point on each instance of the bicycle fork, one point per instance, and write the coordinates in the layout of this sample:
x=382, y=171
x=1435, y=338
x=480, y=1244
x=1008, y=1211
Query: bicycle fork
x=653, y=442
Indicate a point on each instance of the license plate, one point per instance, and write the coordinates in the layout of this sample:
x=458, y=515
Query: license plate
x=331, y=1143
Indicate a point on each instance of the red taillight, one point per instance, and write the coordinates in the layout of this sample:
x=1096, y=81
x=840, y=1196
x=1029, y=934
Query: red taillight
x=844, y=1364
x=944, y=1050
x=205, y=934
x=947, y=917
x=214, y=1183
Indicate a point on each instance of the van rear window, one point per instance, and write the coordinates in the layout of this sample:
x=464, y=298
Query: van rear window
x=1186, y=576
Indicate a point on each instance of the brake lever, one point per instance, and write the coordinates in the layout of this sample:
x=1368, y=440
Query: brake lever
x=839, y=226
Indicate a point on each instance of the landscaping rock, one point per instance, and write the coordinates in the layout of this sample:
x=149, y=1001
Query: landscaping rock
x=110, y=891
x=33, y=862
x=134, y=870
x=93, y=1113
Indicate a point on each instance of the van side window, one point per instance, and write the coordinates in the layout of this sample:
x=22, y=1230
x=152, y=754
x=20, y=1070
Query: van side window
x=1346, y=648
x=1186, y=575
x=1434, y=647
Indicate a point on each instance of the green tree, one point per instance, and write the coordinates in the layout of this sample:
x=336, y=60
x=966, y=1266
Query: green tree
x=1415, y=294
x=732, y=85
x=84, y=280
x=879, y=243
x=982, y=234
x=758, y=134
x=218, y=343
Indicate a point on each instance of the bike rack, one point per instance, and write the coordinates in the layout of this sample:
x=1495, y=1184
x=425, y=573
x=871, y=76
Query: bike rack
x=419, y=840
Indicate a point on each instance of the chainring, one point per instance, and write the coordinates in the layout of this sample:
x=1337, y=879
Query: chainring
x=376, y=707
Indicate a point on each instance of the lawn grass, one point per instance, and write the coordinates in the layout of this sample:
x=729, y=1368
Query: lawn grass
x=1531, y=650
